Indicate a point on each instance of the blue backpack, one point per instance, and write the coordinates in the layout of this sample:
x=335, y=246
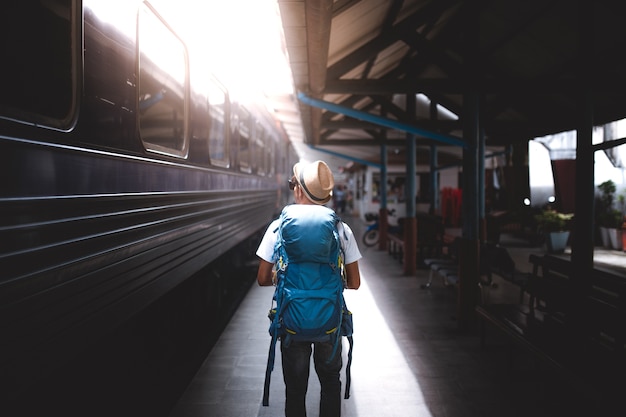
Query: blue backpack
x=308, y=303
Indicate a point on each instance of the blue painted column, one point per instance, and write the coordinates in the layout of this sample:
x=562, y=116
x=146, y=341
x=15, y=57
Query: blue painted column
x=383, y=221
x=434, y=181
x=411, y=174
x=410, y=222
x=434, y=172
x=383, y=176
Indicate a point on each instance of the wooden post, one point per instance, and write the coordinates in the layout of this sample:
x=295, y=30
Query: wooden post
x=383, y=227
x=410, y=245
x=469, y=255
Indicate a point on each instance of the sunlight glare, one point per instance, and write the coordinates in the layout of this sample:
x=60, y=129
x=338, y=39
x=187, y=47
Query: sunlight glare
x=540, y=175
x=240, y=39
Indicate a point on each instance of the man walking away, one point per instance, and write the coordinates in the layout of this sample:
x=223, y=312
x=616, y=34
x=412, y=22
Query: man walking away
x=312, y=186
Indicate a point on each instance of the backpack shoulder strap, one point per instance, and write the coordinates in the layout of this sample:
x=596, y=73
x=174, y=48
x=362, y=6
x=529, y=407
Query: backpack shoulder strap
x=280, y=257
x=280, y=254
x=347, y=325
x=275, y=327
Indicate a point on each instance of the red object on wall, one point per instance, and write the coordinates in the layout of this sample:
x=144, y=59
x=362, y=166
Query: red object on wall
x=451, y=202
x=564, y=188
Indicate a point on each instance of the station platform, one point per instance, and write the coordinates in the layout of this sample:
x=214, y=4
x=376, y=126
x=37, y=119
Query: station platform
x=410, y=357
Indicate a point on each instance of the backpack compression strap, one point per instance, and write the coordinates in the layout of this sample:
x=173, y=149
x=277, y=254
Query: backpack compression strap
x=269, y=369
x=348, y=376
x=275, y=327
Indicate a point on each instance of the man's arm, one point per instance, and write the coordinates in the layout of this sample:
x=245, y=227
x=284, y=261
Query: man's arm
x=353, y=275
x=264, y=274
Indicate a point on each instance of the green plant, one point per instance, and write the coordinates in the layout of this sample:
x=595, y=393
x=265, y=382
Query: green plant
x=614, y=219
x=552, y=221
x=604, y=206
x=608, y=189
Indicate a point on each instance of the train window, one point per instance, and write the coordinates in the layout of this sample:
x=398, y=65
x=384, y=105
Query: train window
x=270, y=156
x=219, y=132
x=245, y=147
x=260, y=149
x=234, y=134
x=199, y=140
x=40, y=56
x=163, y=86
x=265, y=155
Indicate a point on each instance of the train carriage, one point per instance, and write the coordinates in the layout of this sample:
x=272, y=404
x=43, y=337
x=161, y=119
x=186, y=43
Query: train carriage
x=125, y=170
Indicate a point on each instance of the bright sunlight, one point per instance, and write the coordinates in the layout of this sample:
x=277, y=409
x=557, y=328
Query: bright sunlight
x=241, y=38
x=240, y=41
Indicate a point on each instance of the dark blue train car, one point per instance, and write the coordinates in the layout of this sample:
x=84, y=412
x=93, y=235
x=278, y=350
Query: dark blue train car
x=124, y=170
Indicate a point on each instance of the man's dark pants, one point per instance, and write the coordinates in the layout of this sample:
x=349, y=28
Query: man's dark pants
x=296, y=362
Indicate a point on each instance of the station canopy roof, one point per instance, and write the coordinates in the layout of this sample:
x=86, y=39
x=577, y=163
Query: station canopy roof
x=536, y=64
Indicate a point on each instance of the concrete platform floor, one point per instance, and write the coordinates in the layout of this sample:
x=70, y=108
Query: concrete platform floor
x=410, y=357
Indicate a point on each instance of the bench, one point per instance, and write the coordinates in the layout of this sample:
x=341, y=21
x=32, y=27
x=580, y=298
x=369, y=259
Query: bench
x=395, y=240
x=445, y=265
x=582, y=338
x=430, y=237
x=448, y=266
x=499, y=262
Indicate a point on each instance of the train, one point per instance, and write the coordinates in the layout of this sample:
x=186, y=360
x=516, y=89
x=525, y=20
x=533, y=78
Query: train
x=126, y=168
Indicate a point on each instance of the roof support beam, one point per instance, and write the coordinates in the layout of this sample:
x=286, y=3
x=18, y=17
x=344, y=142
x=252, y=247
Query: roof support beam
x=434, y=125
x=318, y=21
x=382, y=121
x=447, y=85
x=378, y=44
x=348, y=157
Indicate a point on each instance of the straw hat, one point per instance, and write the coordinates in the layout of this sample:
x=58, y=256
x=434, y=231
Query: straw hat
x=316, y=180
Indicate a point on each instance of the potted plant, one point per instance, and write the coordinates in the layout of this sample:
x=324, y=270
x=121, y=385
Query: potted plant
x=614, y=221
x=604, y=204
x=555, y=227
x=621, y=198
x=609, y=219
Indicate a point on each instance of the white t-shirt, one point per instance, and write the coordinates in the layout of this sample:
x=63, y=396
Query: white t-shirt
x=346, y=237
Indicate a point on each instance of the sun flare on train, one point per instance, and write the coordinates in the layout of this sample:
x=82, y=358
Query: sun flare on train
x=241, y=40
